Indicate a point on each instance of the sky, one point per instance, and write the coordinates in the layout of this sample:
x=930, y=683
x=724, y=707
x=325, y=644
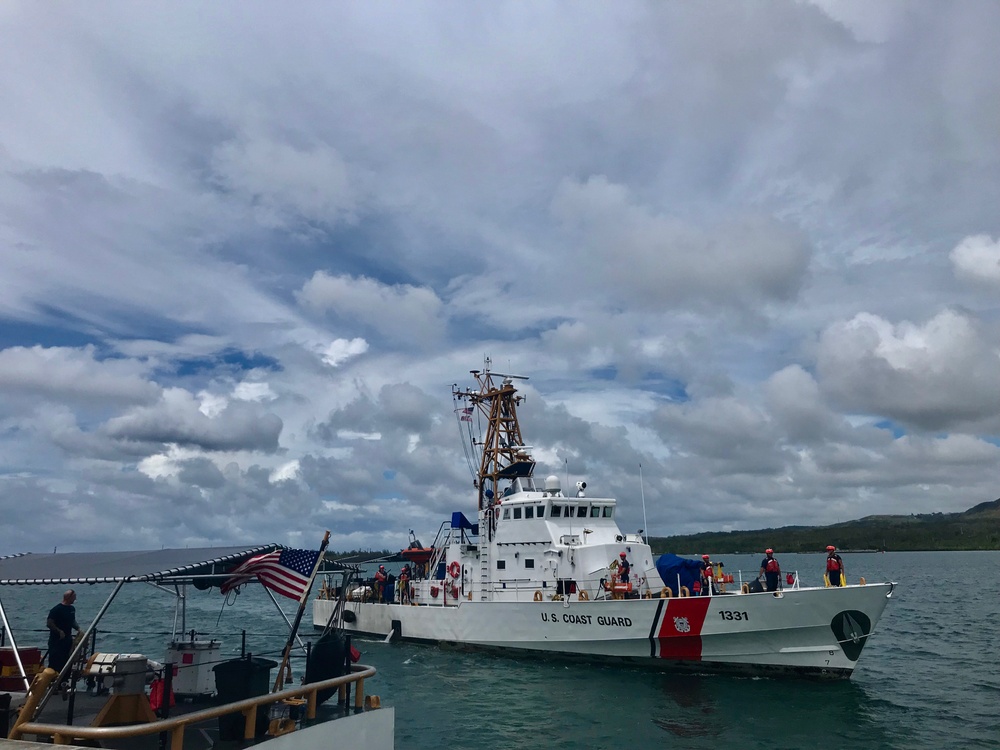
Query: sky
x=747, y=255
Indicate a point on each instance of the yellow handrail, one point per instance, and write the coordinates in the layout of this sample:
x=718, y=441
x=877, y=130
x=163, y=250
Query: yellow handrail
x=63, y=734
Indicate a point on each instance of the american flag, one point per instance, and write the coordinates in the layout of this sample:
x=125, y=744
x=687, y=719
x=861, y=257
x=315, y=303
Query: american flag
x=467, y=414
x=287, y=572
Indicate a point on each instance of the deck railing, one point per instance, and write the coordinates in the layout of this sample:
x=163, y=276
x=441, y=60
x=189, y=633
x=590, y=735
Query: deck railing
x=63, y=734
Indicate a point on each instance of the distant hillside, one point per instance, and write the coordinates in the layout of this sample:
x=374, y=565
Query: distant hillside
x=976, y=528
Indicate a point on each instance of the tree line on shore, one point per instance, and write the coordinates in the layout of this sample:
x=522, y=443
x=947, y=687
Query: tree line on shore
x=975, y=529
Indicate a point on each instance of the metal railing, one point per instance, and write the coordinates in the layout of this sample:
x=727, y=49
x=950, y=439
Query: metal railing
x=63, y=734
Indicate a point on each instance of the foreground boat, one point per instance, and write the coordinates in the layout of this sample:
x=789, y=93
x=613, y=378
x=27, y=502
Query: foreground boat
x=217, y=699
x=533, y=574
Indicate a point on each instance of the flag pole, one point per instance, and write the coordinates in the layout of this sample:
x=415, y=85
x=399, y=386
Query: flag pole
x=280, y=681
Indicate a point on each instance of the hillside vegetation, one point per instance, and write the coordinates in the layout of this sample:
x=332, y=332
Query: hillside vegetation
x=975, y=529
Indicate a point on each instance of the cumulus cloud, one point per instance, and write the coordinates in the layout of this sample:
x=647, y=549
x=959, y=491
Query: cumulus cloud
x=68, y=374
x=340, y=351
x=977, y=258
x=178, y=419
x=935, y=376
x=657, y=260
x=400, y=311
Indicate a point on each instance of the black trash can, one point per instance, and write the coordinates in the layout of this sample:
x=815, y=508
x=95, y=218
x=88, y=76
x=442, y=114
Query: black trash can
x=238, y=680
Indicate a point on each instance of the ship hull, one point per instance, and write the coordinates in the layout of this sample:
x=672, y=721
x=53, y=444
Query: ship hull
x=816, y=631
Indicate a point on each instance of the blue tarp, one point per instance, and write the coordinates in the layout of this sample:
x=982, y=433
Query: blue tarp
x=670, y=566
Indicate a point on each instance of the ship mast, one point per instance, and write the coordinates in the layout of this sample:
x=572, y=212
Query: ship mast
x=504, y=455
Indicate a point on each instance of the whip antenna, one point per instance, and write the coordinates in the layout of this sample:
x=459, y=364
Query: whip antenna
x=642, y=493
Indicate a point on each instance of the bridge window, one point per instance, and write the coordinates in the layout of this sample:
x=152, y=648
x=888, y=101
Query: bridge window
x=609, y=511
x=557, y=511
x=517, y=513
x=581, y=512
x=541, y=511
x=595, y=511
x=506, y=513
x=529, y=511
x=501, y=565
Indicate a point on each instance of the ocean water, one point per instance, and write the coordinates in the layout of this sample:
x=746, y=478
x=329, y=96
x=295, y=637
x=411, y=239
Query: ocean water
x=928, y=678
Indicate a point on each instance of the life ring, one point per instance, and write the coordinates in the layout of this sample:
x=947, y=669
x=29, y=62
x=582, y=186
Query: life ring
x=434, y=592
x=685, y=591
x=863, y=582
x=583, y=596
x=647, y=595
x=455, y=570
x=454, y=591
x=666, y=592
x=538, y=596
x=745, y=588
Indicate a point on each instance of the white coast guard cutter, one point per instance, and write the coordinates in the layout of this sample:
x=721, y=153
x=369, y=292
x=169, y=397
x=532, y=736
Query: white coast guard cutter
x=533, y=574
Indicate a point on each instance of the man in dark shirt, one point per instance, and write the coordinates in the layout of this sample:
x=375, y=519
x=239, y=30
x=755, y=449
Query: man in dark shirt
x=61, y=622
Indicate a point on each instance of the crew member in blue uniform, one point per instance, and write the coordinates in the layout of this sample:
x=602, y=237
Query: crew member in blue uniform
x=61, y=623
x=771, y=571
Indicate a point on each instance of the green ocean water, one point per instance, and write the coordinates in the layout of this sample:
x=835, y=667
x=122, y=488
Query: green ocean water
x=928, y=678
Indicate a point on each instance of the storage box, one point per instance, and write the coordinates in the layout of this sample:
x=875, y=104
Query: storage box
x=193, y=662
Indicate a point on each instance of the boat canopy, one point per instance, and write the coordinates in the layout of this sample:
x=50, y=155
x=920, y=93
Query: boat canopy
x=150, y=566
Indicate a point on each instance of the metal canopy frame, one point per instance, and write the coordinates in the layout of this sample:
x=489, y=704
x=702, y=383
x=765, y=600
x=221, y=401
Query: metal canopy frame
x=160, y=568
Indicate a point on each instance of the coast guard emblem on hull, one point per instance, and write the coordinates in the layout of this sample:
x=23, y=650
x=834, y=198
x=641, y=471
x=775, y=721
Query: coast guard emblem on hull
x=681, y=625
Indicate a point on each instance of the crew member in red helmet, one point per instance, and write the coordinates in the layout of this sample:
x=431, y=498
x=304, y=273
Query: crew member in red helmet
x=623, y=567
x=834, y=566
x=707, y=576
x=770, y=570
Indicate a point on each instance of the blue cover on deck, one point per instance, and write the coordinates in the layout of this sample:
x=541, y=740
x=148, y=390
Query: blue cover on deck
x=459, y=521
x=670, y=566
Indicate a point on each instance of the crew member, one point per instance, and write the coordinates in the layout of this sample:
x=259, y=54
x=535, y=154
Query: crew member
x=707, y=576
x=404, y=584
x=380, y=579
x=61, y=622
x=834, y=566
x=771, y=571
x=623, y=567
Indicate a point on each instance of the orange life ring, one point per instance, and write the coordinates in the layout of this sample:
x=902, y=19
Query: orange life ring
x=583, y=596
x=455, y=570
x=538, y=596
x=685, y=591
x=434, y=592
x=454, y=591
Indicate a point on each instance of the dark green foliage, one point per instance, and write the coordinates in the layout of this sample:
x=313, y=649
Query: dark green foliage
x=976, y=528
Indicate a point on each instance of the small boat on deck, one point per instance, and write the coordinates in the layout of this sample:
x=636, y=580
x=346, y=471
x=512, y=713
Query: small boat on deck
x=195, y=696
x=537, y=571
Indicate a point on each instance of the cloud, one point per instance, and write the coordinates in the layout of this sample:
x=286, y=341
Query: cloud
x=286, y=184
x=341, y=350
x=936, y=376
x=657, y=260
x=178, y=420
x=74, y=375
x=399, y=311
x=977, y=258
